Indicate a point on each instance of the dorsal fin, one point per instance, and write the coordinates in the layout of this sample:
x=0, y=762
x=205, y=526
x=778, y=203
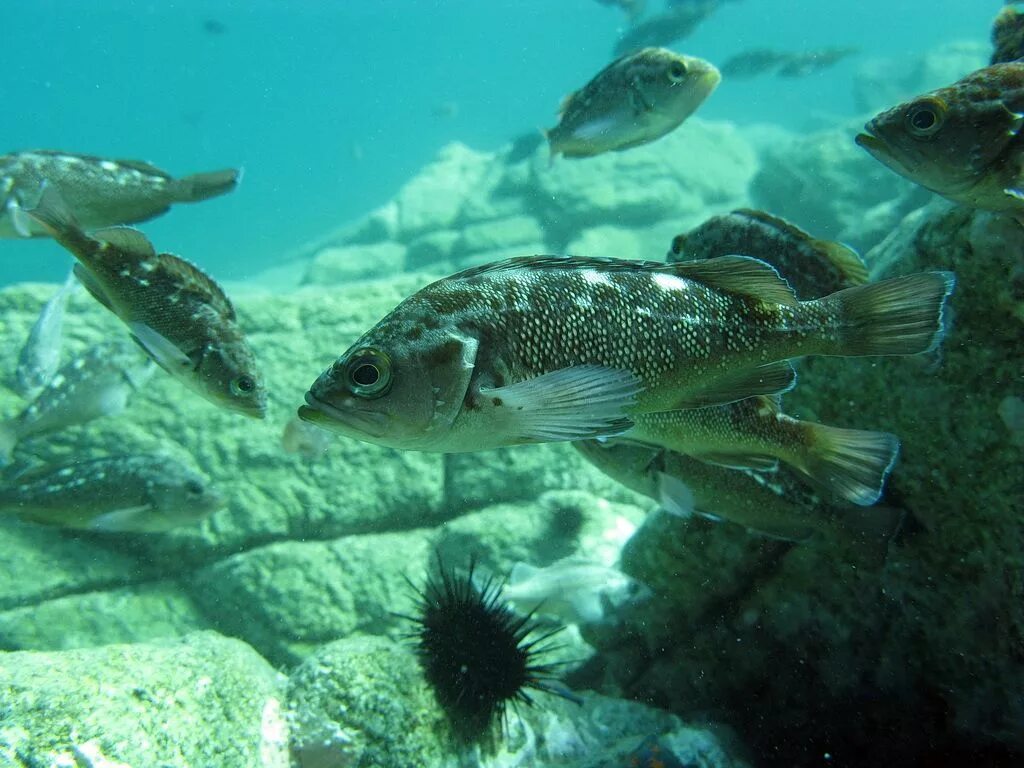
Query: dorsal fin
x=192, y=278
x=776, y=222
x=144, y=167
x=742, y=275
x=849, y=263
x=128, y=240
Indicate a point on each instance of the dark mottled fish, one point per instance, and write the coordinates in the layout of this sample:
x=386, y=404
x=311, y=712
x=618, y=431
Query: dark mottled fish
x=40, y=355
x=101, y=192
x=547, y=348
x=94, y=384
x=851, y=464
x=962, y=141
x=811, y=62
x=174, y=310
x=813, y=267
x=634, y=100
x=634, y=9
x=675, y=23
x=1008, y=35
x=122, y=494
x=776, y=504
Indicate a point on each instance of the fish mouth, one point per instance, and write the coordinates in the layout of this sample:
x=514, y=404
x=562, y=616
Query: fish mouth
x=870, y=142
x=342, y=419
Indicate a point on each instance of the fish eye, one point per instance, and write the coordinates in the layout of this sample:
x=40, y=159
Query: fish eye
x=243, y=385
x=677, y=71
x=369, y=373
x=925, y=118
x=194, y=488
x=678, y=244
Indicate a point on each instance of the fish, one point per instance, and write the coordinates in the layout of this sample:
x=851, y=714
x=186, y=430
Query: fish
x=776, y=504
x=117, y=494
x=635, y=100
x=810, y=62
x=675, y=23
x=40, y=355
x=851, y=464
x=1008, y=35
x=573, y=589
x=302, y=438
x=813, y=267
x=634, y=9
x=176, y=312
x=94, y=384
x=961, y=141
x=753, y=62
x=101, y=192
x=548, y=348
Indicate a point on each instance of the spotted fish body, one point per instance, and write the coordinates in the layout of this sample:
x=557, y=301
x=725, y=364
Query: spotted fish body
x=101, y=192
x=813, y=267
x=176, y=312
x=549, y=348
x=136, y=494
x=40, y=355
x=634, y=100
x=963, y=141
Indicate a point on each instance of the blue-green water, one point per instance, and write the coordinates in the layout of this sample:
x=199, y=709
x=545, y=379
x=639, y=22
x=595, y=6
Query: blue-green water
x=330, y=106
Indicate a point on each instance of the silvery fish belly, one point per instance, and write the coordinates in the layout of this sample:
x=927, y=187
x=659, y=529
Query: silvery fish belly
x=551, y=348
x=101, y=192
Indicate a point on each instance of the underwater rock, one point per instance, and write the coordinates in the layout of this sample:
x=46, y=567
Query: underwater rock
x=135, y=614
x=286, y=599
x=824, y=183
x=432, y=250
x=648, y=243
x=206, y=700
x=344, y=264
x=499, y=234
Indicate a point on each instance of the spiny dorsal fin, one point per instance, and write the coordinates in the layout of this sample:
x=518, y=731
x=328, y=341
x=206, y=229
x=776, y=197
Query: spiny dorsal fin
x=849, y=263
x=128, y=240
x=193, y=279
x=776, y=222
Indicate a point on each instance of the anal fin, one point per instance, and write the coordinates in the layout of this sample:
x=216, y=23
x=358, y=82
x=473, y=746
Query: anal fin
x=771, y=379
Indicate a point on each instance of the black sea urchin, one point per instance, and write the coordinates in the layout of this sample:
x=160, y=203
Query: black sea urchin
x=474, y=650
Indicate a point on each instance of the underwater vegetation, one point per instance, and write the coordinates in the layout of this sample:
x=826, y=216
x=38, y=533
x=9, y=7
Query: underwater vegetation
x=749, y=458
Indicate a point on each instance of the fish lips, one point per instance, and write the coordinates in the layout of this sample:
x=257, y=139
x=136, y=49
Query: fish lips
x=346, y=417
x=870, y=142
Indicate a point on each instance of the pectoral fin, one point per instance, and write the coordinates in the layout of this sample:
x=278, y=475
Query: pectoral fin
x=166, y=354
x=125, y=520
x=22, y=221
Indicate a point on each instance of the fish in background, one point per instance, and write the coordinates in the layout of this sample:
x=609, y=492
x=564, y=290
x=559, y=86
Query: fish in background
x=176, y=312
x=813, y=267
x=753, y=62
x=549, y=348
x=811, y=62
x=851, y=464
x=762, y=61
x=776, y=504
x=116, y=494
x=40, y=355
x=1008, y=35
x=304, y=439
x=92, y=385
x=634, y=9
x=634, y=100
x=101, y=192
x=677, y=21
x=962, y=141
x=575, y=590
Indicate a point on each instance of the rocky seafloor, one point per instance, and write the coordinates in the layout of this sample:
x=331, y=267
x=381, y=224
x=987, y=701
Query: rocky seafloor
x=268, y=634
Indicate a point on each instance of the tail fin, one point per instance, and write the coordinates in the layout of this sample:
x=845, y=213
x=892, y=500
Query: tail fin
x=901, y=316
x=851, y=463
x=201, y=186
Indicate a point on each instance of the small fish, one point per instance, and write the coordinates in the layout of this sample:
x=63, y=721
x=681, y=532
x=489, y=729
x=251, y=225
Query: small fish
x=634, y=9
x=214, y=27
x=811, y=62
x=776, y=504
x=94, y=384
x=122, y=494
x=753, y=62
x=851, y=464
x=636, y=99
x=577, y=591
x=175, y=311
x=40, y=355
x=303, y=438
x=101, y=192
x=549, y=348
x=961, y=141
x=675, y=23
x=1008, y=35
x=813, y=267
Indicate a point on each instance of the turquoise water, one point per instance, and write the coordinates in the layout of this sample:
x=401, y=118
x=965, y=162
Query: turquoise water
x=330, y=107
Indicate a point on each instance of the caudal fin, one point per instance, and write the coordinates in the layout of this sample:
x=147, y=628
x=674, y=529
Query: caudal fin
x=900, y=316
x=851, y=463
x=202, y=186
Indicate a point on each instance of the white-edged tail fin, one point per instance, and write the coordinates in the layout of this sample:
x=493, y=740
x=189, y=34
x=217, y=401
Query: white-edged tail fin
x=851, y=463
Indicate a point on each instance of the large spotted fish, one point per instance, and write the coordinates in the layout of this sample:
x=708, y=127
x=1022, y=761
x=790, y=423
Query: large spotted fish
x=550, y=348
x=101, y=192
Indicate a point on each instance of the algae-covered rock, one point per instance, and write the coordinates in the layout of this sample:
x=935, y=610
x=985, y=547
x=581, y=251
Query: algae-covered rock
x=343, y=264
x=205, y=700
x=433, y=199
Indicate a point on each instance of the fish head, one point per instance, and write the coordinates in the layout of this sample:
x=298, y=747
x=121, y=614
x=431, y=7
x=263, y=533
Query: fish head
x=401, y=388
x=176, y=495
x=226, y=374
x=951, y=139
x=673, y=85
